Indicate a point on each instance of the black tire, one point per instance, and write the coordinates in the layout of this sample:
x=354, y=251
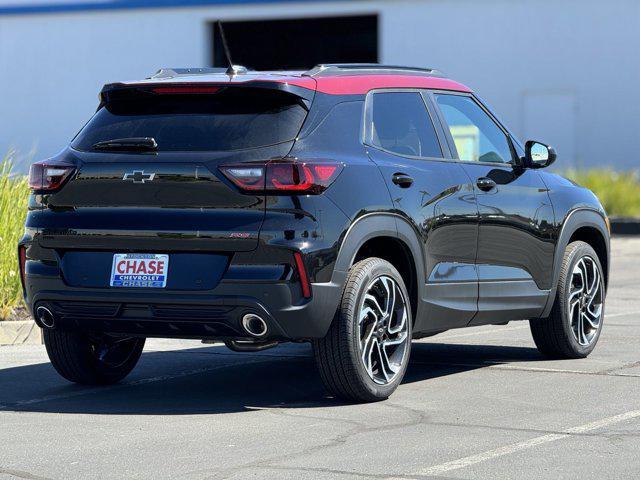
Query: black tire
x=554, y=335
x=338, y=354
x=81, y=358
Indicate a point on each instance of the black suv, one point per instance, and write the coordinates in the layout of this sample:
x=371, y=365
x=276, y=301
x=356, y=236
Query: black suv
x=352, y=206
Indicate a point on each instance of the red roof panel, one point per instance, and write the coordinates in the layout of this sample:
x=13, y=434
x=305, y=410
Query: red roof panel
x=361, y=84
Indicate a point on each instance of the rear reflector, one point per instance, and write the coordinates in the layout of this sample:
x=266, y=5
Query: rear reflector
x=22, y=260
x=284, y=177
x=302, y=273
x=48, y=176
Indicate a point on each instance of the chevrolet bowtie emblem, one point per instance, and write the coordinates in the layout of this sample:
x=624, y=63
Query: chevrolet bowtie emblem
x=138, y=176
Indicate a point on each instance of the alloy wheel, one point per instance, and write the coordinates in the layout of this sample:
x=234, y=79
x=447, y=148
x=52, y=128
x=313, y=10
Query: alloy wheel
x=383, y=330
x=585, y=302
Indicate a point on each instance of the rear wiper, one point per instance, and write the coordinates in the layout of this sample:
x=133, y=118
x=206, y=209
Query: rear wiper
x=128, y=144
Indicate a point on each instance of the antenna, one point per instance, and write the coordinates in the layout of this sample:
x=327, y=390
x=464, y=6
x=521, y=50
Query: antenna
x=233, y=69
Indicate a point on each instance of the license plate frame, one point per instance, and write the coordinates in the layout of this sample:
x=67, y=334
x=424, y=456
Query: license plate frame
x=139, y=270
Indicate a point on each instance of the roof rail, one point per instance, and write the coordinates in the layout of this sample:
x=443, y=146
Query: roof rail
x=367, y=68
x=176, y=72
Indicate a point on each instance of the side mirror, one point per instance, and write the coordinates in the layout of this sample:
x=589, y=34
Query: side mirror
x=538, y=155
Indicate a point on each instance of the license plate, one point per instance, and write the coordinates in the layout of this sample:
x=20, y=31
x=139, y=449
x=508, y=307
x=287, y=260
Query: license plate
x=146, y=270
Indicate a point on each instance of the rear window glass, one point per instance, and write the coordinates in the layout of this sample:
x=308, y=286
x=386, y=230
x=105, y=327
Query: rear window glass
x=232, y=119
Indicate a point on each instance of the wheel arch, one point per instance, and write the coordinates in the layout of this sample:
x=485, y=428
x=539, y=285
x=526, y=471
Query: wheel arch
x=392, y=238
x=589, y=226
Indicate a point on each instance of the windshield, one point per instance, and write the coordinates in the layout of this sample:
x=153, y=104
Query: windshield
x=232, y=119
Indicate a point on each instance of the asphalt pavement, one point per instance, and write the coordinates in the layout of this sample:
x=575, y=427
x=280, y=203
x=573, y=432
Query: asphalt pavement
x=477, y=403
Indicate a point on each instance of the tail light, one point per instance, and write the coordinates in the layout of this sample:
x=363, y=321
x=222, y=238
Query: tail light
x=22, y=259
x=49, y=175
x=284, y=177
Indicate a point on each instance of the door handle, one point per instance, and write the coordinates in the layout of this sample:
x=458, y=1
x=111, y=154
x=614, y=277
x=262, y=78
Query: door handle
x=485, y=184
x=402, y=180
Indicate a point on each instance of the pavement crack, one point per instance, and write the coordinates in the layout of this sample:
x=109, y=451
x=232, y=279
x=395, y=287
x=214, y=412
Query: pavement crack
x=613, y=370
x=285, y=413
x=350, y=473
x=358, y=428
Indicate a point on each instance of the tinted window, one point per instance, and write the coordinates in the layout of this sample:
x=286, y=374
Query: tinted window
x=401, y=125
x=232, y=119
x=475, y=134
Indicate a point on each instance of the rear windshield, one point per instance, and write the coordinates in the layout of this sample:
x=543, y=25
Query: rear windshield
x=231, y=119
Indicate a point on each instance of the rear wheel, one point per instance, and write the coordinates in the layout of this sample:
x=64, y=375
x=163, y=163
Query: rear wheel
x=92, y=359
x=364, y=355
x=573, y=327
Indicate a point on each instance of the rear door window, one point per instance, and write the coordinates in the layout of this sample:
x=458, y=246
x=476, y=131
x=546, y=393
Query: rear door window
x=401, y=125
x=232, y=119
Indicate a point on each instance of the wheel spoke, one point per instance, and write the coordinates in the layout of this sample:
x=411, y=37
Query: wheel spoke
x=591, y=289
x=575, y=293
x=390, y=299
x=391, y=330
x=595, y=310
x=572, y=308
x=367, y=350
x=580, y=273
x=591, y=294
x=366, y=312
x=371, y=299
x=593, y=318
x=385, y=365
x=581, y=339
x=389, y=342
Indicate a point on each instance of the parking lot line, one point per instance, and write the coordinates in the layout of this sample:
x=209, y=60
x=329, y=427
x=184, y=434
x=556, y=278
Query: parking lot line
x=526, y=444
x=621, y=314
x=517, y=327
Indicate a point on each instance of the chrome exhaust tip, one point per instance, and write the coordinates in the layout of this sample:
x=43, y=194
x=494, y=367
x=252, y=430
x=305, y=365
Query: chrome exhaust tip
x=45, y=317
x=254, y=325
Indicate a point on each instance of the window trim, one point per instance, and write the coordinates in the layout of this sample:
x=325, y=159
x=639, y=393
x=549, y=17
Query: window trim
x=367, y=131
x=515, y=159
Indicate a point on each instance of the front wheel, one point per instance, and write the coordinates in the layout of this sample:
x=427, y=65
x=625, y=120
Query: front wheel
x=98, y=359
x=573, y=327
x=364, y=355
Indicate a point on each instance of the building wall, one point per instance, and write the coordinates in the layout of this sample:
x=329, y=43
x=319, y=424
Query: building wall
x=554, y=70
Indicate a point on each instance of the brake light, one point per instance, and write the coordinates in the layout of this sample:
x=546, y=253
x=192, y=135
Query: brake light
x=284, y=177
x=48, y=176
x=185, y=90
x=22, y=260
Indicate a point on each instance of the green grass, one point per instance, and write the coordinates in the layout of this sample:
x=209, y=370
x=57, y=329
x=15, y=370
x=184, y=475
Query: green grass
x=619, y=192
x=14, y=194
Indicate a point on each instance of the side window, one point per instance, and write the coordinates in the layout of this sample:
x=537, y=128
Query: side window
x=475, y=134
x=401, y=124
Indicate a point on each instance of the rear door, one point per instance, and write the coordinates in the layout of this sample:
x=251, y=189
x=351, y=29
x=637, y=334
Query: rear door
x=435, y=196
x=515, y=247
x=173, y=199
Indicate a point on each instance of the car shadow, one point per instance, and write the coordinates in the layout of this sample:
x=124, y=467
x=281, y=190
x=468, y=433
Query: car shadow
x=213, y=380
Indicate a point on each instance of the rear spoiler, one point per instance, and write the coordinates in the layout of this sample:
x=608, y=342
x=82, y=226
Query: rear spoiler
x=304, y=93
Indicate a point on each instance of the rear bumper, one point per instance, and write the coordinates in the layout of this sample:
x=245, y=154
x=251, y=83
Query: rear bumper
x=212, y=314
